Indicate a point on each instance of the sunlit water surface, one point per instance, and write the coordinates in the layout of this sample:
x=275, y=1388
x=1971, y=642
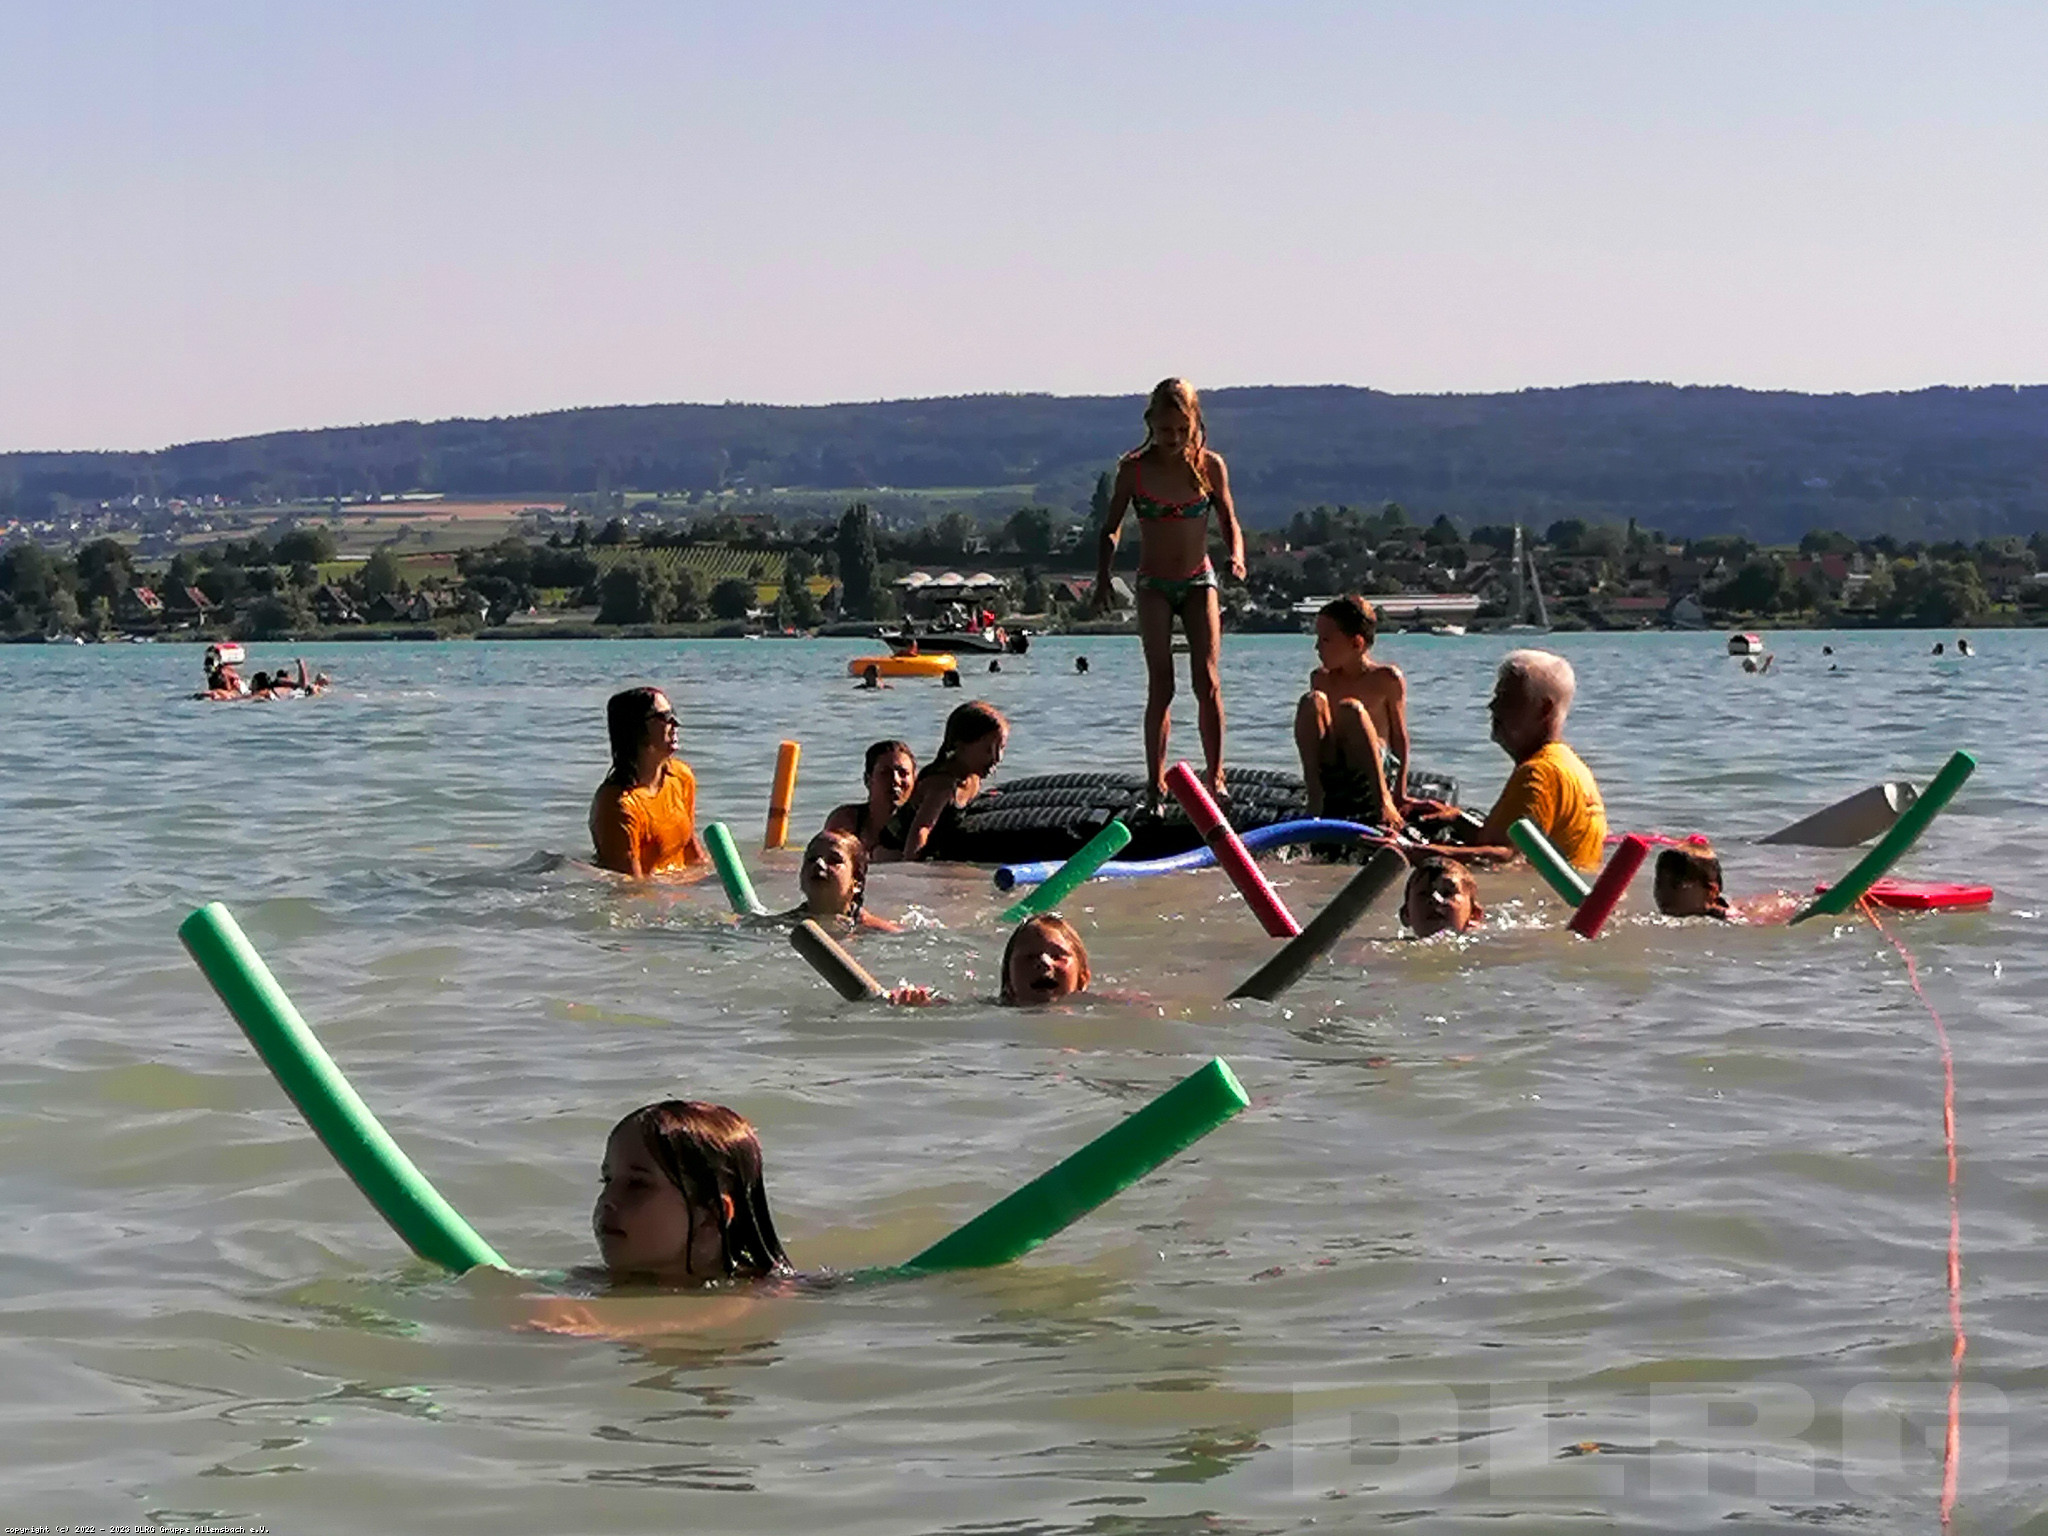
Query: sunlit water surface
x=1646, y=1233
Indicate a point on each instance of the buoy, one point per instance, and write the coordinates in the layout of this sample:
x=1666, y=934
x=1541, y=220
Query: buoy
x=1924, y=895
x=1108, y=1165
x=830, y=960
x=732, y=871
x=1208, y=821
x=1281, y=834
x=1854, y=819
x=343, y=1122
x=1553, y=866
x=1099, y=850
x=1906, y=831
x=1607, y=891
x=781, y=795
x=925, y=664
x=1336, y=919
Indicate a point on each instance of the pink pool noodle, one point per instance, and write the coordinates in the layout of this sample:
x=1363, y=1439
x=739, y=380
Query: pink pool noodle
x=1257, y=891
x=1606, y=894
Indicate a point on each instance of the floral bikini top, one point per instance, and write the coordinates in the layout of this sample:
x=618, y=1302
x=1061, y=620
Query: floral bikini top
x=1151, y=509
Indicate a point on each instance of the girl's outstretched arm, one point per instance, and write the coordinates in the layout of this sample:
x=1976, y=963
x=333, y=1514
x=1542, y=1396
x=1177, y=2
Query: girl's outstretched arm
x=1112, y=531
x=1226, y=515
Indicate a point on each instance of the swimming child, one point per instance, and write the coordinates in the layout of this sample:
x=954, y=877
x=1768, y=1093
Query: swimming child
x=950, y=678
x=973, y=745
x=1688, y=882
x=889, y=772
x=870, y=679
x=1171, y=481
x=1044, y=961
x=680, y=1199
x=1351, y=727
x=834, y=882
x=1441, y=896
x=1080, y=664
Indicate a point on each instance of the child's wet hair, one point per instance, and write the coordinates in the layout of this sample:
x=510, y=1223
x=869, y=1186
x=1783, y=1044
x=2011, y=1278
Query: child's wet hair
x=707, y=1150
x=1695, y=865
x=966, y=725
x=1051, y=923
x=1353, y=615
x=1690, y=866
x=856, y=853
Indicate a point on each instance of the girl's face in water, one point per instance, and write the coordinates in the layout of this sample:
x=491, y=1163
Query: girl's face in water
x=1043, y=967
x=827, y=880
x=644, y=1225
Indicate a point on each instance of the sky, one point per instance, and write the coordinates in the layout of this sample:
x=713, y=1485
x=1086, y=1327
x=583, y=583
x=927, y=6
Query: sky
x=220, y=219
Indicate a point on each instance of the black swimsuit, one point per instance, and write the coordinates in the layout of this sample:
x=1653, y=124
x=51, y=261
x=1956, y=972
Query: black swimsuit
x=897, y=831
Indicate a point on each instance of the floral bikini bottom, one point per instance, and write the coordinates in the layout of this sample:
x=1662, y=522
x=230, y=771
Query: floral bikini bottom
x=1178, y=589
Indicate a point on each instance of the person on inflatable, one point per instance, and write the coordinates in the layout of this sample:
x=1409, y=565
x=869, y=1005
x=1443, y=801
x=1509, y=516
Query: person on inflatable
x=681, y=1199
x=976, y=733
x=1440, y=897
x=834, y=882
x=643, y=818
x=1171, y=481
x=1532, y=694
x=890, y=771
x=1351, y=727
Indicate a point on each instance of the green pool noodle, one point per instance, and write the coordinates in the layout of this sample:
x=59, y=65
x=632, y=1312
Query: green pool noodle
x=342, y=1121
x=1072, y=875
x=1109, y=1164
x=831, y=961
x=1549, y=863
x=1326, y=927
x=732, y=871
x=1845, y=892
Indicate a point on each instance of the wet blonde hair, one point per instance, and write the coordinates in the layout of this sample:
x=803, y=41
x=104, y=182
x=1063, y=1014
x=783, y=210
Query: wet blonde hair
x=1058, y=927
x=1179, y=395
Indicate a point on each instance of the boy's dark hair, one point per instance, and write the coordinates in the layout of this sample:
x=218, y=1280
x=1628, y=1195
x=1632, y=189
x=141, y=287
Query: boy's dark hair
x=1681, y=865
x=1354, y=615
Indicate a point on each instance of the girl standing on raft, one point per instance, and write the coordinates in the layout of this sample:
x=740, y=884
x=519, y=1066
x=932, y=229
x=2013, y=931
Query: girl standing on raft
x=1171, y=481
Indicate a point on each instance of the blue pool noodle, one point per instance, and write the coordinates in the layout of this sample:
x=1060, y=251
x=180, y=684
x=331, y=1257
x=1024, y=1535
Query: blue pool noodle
x=1279, y=835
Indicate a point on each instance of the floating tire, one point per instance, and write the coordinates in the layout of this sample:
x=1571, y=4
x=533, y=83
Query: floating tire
x=1051, y=815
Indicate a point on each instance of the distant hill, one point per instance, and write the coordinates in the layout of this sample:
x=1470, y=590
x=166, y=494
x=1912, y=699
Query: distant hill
x=1932, y=463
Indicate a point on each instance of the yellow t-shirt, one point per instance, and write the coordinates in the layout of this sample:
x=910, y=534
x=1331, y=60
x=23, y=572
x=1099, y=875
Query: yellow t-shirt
x=1556, y=791
x=660, y=824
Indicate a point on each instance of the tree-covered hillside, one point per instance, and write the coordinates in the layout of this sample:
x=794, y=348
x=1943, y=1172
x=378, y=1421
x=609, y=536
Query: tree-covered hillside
x=1935, y=463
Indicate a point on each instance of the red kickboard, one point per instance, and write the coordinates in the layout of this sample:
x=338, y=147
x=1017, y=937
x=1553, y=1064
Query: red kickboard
x=1925, y=895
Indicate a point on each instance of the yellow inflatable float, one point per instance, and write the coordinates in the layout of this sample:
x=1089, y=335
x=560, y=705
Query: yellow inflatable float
x=937, y=664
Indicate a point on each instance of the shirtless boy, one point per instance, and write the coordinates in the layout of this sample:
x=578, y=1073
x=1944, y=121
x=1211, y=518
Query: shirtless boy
x=1353, y=720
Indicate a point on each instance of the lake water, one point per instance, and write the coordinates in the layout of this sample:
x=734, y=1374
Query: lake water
x=1641, y=1234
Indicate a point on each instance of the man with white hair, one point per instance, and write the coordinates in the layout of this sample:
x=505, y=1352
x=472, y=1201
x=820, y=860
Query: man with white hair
x=1550, y=786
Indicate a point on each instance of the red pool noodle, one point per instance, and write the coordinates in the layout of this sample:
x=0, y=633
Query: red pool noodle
x=1257, y=891
x=1600, y=902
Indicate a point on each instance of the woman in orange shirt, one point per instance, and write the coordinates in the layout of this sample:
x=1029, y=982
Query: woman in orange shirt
x=643, y=818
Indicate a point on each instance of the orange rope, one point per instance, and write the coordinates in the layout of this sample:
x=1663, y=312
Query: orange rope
x=1952, y=1448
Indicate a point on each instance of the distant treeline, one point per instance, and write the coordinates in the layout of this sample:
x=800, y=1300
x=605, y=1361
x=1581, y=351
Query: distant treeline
x=1929, y=464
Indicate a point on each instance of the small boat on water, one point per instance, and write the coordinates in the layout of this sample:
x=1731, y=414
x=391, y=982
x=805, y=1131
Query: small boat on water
x=1745, y=645
x=991, y=641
